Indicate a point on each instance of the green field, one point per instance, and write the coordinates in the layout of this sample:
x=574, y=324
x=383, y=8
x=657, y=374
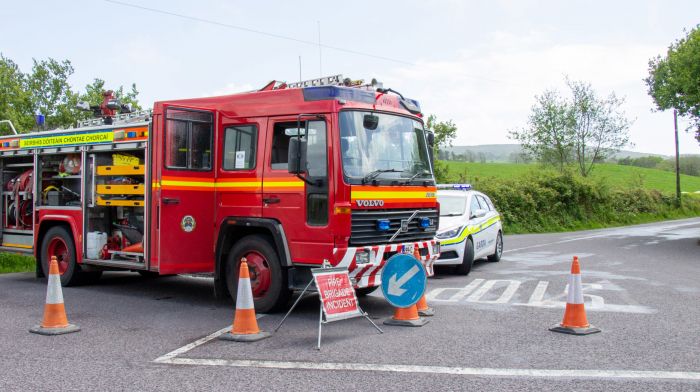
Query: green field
x=615, y=176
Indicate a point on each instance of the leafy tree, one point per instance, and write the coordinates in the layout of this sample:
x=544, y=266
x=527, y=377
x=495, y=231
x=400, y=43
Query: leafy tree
x=548, y=136
x=445, y=132
x=15, y=103
x=582, y=129
x=674, y=80
x=46, y=90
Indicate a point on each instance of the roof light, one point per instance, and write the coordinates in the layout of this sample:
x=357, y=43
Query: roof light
x=459, y=187
x=335, y=92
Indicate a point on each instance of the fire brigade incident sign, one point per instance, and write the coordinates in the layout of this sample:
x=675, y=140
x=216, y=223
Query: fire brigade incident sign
x=70, y=139
x=336, y=293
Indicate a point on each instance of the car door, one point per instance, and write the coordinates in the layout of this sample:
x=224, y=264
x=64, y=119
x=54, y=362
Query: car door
x=478, y=235
x=490, y=225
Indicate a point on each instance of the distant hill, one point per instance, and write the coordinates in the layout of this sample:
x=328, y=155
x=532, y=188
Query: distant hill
x=510, y=153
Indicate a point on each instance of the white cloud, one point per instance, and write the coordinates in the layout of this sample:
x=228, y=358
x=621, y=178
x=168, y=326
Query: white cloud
x=489, y=90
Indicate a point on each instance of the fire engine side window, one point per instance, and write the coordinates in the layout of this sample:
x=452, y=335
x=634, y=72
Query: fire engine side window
x=188, y=140
x=239, y=147
x=280, y=143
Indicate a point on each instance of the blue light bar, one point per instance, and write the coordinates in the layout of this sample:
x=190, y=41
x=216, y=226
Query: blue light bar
x=463, y=187
x=321, y=93
x=383, y=224
x=424, y=222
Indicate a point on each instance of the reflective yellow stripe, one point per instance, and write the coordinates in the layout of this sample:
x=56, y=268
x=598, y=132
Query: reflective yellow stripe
x=390, y=195
x=470, y=230
x=17, y=246
x=229, y=184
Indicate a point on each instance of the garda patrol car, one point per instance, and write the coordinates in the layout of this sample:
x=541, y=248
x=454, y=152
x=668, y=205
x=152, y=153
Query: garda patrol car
x=470, y=227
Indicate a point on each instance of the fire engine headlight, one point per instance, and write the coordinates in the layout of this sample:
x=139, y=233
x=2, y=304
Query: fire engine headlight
x=362, y=257
x=383, y=224
x=450, y=233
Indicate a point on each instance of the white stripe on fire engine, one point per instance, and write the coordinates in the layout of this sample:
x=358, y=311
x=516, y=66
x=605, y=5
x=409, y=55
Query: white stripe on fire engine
x=54, y=295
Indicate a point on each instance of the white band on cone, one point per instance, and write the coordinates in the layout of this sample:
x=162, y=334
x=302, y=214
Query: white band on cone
x=575, y=292
x=54, y=295
x=244, y=298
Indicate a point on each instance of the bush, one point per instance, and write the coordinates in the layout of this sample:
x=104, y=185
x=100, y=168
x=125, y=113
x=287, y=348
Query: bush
x=545, y=201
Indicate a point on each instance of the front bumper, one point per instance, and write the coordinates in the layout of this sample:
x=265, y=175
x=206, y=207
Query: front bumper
x=369, y=274
x=452, y=254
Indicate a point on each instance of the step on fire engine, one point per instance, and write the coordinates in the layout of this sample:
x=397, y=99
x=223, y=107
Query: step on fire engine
x=285, y=176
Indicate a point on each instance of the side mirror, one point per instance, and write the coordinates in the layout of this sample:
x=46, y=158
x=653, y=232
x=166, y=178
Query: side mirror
x=480, y=213
x=370, y=121
x=431, y=139
x=296, y=156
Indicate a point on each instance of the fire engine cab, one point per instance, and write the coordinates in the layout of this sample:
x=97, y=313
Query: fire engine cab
x=287, y=176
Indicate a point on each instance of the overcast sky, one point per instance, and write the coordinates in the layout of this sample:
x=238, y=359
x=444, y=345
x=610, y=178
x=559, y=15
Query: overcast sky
x=477, y=63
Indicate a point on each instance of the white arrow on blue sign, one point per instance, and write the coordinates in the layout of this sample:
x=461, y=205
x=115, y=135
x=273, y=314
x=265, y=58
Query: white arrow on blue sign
x=403, y=280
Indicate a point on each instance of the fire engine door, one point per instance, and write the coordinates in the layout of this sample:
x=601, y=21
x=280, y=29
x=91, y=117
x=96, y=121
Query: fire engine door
x=301, y=206
x=187, y=197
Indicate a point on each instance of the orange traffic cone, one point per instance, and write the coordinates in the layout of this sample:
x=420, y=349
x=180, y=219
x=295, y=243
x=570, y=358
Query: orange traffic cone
x=575, y=321
x=406, y=317
x=422, y=305
x=245, y=324
x=55, y=321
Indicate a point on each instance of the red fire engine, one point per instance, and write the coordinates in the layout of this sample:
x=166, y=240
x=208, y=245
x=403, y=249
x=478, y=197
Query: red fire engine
x=286, y=177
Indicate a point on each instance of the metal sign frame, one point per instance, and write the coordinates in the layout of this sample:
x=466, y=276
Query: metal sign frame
x=322, y=317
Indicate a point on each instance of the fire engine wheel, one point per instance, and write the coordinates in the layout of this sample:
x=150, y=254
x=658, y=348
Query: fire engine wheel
x=267, y=278
x=58, y=242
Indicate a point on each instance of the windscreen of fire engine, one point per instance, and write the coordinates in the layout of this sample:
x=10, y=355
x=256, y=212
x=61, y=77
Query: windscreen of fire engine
x=394, y=150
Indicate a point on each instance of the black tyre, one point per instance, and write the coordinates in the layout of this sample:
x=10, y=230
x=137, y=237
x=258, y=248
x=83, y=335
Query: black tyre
x=268, y=279
x=361, y=292
x=467, y=260
x=58, y=242
x=496, y=256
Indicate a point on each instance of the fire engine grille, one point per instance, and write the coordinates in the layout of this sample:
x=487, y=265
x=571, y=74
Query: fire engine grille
x=364, y=226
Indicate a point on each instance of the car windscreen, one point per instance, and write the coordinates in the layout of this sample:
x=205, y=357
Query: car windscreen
x=452, y=205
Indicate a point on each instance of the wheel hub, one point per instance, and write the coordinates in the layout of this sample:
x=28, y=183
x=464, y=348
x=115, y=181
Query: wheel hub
x=259, y=273
x=58, y=248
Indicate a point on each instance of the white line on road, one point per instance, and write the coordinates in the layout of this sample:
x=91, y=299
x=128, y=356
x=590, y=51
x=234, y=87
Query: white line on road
x=533, y=373
x=606, y=233
x=191, y=346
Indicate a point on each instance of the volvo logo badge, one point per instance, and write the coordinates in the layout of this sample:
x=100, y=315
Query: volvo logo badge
x=370, y=203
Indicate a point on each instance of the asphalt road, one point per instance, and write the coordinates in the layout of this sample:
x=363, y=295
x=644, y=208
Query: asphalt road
x=490, y=331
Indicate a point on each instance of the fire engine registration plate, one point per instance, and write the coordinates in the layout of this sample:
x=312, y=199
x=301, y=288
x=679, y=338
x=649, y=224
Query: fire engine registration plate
x=408, y=249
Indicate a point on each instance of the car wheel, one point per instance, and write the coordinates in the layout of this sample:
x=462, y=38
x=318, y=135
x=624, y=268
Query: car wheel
x=496, y=256
x=267, y=278
x=467, y=260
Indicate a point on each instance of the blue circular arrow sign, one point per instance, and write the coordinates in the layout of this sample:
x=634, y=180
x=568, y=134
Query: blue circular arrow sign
x=403, y=280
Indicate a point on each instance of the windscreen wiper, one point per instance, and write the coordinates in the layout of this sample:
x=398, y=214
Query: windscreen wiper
x=413, y=177
x=372, y=175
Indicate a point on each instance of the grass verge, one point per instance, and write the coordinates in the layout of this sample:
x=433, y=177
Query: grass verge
x=11, y=262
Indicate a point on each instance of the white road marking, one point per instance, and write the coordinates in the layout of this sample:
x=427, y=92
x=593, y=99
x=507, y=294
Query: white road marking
x=463, y=371
x=475, y=291
x=513, y=286
x=642, y=231
x=191, y=346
